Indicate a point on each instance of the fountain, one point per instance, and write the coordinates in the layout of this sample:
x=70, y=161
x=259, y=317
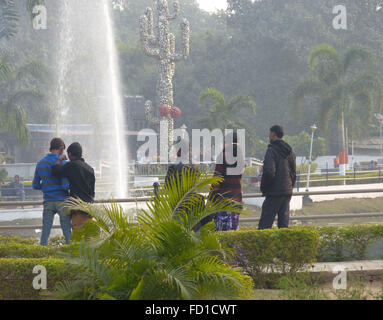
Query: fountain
x=88, y=87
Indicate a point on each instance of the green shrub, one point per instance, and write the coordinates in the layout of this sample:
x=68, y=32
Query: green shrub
x=162, y=256
x=301, y=286
x=14, y=239
x=250, y=171
x=303, y=168
x=348, y=242
x=18, y=250
x=266, y=254
x=3, y=174
x=16, y=276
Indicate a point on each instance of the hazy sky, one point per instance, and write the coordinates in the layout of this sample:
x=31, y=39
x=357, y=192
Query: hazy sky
x=211, y=5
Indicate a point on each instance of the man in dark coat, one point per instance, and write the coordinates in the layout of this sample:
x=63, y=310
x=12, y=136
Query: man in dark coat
x=81, y=180
x=278, y=180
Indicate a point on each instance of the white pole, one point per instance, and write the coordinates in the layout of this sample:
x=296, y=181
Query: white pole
x=309, y=168
x=381, y=143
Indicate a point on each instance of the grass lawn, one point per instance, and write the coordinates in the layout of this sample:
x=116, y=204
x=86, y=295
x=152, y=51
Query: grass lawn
x=355, y=205
x=340, y=206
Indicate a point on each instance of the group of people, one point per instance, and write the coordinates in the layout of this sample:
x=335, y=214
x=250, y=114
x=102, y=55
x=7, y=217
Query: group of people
x=277, y=182
x=59, y=179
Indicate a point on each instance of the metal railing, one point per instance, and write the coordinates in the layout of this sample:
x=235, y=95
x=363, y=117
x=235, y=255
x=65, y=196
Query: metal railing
x=248, y=195
x=242, y=220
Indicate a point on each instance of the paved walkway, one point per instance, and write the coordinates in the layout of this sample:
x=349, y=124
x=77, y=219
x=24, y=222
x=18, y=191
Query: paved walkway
x=364, y=265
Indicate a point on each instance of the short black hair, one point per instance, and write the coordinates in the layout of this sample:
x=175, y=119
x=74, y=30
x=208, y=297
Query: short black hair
x=56, y=143
x=278, y=130
x=75, y=149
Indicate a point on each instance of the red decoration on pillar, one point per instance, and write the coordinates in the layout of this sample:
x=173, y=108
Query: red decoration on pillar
x=175, y=112
x=164, y=110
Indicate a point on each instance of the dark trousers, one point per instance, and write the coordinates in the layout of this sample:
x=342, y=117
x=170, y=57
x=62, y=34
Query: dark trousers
x=273, y=206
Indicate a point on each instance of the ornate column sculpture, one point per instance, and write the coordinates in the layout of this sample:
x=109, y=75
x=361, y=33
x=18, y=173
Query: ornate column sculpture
x=158, y=42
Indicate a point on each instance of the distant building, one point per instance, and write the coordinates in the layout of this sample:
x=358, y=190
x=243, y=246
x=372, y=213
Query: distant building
x=41, y=134
x=370, y=146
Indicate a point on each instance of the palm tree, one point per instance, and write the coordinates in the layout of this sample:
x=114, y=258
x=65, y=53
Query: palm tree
x=340, y=91
x=222, y=114
x=162, y=256
x=8, y=19
x=16, y=92
x=12, y=113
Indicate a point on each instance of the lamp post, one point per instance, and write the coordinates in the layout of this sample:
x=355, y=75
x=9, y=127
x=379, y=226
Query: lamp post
x=313, y=129
x=379, y=117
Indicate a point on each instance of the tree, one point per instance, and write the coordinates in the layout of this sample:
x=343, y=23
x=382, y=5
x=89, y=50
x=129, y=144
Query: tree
x=16, y=92
x=339, y=89
x=222, y=114
x=160, y=257
x=227, y=115
x=301, y=145
x=12, y=113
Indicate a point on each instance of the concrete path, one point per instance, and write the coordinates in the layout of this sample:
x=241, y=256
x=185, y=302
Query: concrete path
x=364, y=265
x=328, y=270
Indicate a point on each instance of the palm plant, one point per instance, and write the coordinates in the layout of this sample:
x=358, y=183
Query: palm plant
x=15, y=93
x=8, y=19
x=12, y=112
x=341, y=92
x=162, y=255
x=222, y=114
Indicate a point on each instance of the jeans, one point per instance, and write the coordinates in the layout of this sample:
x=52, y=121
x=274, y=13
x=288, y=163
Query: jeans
x=273, y=206
x=50, y=209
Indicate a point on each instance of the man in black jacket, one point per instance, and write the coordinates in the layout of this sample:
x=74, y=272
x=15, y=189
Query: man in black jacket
x=81, y=180
x=278, y=180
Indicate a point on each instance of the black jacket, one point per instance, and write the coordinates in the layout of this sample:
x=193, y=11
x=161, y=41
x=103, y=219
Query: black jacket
x=81, y=178
x=279, y=170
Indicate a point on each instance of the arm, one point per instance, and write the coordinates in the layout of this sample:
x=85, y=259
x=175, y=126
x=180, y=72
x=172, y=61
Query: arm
x=57, y=170
x=269, y=169
x=293, y=169
x=93, y=183
x=36, y=184
x=61, y=169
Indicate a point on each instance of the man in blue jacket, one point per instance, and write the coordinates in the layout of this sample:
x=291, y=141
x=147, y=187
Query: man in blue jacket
x=55, y=191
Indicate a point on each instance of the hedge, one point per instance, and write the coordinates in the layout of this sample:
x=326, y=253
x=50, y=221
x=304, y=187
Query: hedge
x=265, y=255
x=16, y=276
x=347, y=243
x=19, y=250
x=15, y=239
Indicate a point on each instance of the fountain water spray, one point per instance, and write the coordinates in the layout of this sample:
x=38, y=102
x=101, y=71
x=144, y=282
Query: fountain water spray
x=88, y=83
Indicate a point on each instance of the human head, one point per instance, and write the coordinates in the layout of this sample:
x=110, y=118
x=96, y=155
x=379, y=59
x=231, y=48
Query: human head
x=74, y=151
x=276, y=133
x=57, y=146
x=17, y=178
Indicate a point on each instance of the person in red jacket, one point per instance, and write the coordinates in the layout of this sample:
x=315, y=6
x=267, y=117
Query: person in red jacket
x=231, y=186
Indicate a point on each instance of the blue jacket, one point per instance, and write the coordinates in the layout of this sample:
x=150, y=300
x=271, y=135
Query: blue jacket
x=54, y=189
